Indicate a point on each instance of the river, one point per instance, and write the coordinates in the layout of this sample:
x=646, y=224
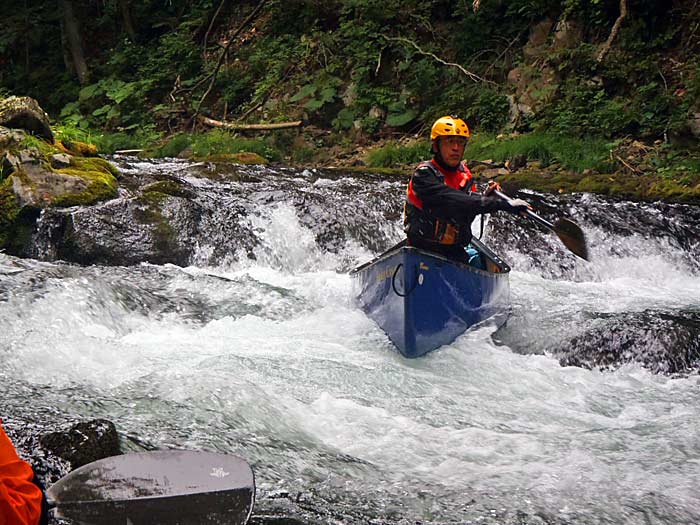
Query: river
x=266, y=356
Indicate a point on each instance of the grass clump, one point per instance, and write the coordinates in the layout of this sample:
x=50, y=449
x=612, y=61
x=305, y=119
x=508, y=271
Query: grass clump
x=220, y=142
x=575, y=154
x=572, y=153
x=108, y=143
x=394, y=154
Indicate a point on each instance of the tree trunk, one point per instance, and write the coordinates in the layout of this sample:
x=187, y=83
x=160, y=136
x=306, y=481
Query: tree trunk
x=127, y=20
x=247, y=127
x=74, y=39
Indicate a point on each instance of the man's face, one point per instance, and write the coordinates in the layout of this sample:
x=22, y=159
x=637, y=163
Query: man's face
x=451, y=149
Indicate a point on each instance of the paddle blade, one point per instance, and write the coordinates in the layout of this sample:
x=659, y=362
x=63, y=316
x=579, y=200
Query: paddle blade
x=572, y=237
x=164, y=487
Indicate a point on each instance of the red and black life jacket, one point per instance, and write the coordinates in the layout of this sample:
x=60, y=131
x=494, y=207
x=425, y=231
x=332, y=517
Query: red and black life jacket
x=421, y=223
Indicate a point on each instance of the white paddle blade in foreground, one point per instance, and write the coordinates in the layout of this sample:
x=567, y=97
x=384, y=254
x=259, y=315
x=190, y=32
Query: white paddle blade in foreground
x=157, y=488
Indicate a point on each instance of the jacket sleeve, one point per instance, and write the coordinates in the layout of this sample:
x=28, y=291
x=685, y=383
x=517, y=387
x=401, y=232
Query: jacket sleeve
x=450, y=204
x=20, y=499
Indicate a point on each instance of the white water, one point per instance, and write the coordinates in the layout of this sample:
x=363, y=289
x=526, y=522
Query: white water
x=271, y=360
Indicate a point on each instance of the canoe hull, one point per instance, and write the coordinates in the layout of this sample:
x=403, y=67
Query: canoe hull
x=423, y=301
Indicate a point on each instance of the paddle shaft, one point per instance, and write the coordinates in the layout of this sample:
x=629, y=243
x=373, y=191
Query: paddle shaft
x=529, y=212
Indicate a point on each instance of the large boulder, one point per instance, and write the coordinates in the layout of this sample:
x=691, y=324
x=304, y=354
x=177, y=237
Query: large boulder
x=38, y=174
x=30, y=183
x=25, y=113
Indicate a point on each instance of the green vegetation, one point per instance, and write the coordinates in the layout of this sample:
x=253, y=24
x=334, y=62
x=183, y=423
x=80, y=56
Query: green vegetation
x=395, y=154
x=361, y=71
x=573, y=154
x=216, y=143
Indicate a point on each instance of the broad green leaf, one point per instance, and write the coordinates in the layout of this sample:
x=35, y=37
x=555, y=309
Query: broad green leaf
x=306, y=91
x=396, y=120
x=90, y=91
x=101, y=111
x=314, y=104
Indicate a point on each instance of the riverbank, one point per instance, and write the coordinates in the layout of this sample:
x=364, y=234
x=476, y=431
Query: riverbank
x=626, y=168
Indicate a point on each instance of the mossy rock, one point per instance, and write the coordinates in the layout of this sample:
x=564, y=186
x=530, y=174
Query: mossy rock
x=242, y=157
x=168, y=187
x=645, y=187
x=75, y=147
x=30, y=183
x=25, y=113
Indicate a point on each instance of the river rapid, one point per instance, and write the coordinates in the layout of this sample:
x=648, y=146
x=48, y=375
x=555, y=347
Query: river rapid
x=265, y=355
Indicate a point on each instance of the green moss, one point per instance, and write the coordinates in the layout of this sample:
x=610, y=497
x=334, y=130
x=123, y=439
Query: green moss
x=164, y=236
x=9, y=209
x=165, y=188
x=16, y=224
x=221, y=142
x=649, y=187
x=395, y=154
x=241, y=157
x=30, y=142
x=102, y=184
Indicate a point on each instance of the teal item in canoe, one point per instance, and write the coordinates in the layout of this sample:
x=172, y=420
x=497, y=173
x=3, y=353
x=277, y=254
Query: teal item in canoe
x=423, y=300
x=157, y=488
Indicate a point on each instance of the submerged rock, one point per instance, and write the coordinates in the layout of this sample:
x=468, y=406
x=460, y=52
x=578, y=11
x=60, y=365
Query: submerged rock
x=54, y=445
x=84, y=442
x=662, y=342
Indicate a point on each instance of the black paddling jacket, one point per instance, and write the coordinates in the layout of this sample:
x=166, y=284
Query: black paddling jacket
x=441, y=205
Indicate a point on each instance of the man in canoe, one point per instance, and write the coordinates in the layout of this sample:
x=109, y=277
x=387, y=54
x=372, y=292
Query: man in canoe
x=20, y=498
x=442, y=199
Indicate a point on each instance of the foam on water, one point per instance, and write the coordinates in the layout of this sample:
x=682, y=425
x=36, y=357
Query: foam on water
x=269, y=358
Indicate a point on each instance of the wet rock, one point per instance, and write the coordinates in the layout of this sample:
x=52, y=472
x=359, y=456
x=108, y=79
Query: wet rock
x=25, y=113
x=60, y=160
x=54, y=443
x=10, y=138
x=663, y=342
x=36, y=175
x=84, y=442
x=150, y=226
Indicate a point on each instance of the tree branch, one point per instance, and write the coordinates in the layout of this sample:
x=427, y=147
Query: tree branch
x=472, y=76
x=232, y=39
x=613, y=32
x=211, y=25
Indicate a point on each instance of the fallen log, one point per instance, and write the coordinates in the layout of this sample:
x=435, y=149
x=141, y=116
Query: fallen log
x=247, y=127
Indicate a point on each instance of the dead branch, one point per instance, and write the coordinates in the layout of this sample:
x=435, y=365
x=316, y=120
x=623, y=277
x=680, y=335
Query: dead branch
x=614, y=31
x=501, y=55
x=211, y=25
x=631, y=168
x=224, y=52
x=247, y=127
x=472, y=76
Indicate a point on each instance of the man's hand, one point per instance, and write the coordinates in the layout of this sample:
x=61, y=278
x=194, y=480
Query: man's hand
x=519, y=206
x=493, y=185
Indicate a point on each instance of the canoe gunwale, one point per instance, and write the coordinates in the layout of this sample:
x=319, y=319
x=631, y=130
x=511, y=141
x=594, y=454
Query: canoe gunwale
x=481, y=247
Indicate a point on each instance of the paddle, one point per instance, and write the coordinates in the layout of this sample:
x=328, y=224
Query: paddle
x=568, y=231
x=164, y=487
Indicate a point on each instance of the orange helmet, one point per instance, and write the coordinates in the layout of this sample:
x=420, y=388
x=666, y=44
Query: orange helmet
x=449, y=126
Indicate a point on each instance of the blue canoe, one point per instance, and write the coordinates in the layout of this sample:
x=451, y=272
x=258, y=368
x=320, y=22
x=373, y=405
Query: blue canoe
x=423, y=300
